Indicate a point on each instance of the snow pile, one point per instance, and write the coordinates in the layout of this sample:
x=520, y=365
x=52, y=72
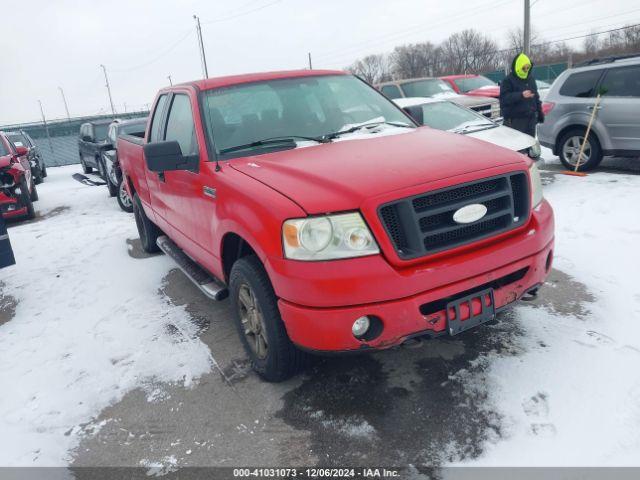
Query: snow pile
x=89, y=326
x=573, y=397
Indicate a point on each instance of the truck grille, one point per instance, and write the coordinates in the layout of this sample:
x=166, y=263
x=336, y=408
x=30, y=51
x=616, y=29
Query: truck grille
x=423, y=224
x=483, y=110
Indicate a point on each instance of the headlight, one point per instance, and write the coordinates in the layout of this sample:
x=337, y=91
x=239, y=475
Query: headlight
x=534, y=150
x=328, y=238
x=536, y=186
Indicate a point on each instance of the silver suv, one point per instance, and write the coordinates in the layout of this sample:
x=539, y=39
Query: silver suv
x=570, y=103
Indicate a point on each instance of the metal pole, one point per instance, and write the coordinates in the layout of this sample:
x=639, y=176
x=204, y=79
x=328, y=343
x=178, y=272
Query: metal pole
x=527, y=27
x=310, y=66
x=170, y=82
x=64, y=100
x=106, y=79
x=46, y=127
x=203, y=55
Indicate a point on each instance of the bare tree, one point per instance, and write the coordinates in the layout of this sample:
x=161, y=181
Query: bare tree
x=469, y=51
x=372, y=68
x=415, y=60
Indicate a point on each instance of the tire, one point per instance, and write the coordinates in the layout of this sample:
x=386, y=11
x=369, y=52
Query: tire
x=85, y=167
x=124, y=200
x=101, y=170
x=25, y=199
x=34, y=193
x=37, y=179
x=569, y=150
x=147, y=230
x=113, y=189
x=44, y=170
x=273, y=357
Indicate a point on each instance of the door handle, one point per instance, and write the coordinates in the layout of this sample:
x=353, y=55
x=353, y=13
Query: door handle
x=161, y=177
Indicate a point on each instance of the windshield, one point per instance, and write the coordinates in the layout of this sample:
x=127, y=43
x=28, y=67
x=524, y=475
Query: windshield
x=18, y=140
x=100, y=132
x=449, y=116
x=293, y=107
x=472, y=83
x=426, y=88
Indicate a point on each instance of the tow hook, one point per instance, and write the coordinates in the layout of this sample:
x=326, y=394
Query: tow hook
x=530, y=295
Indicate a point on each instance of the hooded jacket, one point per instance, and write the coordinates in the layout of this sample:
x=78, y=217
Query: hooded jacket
x=512, y=103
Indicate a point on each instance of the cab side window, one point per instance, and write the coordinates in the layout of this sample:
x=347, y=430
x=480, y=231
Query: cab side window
x=156, y=123
x=180, y=126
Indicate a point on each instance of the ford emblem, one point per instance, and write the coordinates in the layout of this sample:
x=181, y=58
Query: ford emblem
x=470, y=213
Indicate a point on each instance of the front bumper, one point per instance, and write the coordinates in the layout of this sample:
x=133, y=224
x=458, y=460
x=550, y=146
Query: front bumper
x=329, y=329
x=10, y=207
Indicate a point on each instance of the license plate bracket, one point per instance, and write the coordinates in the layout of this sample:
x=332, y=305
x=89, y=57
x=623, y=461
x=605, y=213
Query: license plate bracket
x=455, y=308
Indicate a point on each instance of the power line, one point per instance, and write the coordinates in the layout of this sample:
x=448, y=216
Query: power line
x=237, y=15
x=408, y=31
x=168, y=50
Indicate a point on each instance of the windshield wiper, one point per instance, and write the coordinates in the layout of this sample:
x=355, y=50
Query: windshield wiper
x=291, y=139
x=330, y=136
x=464, y=128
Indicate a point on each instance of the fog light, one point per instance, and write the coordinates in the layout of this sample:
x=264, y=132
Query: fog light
x=360, y=326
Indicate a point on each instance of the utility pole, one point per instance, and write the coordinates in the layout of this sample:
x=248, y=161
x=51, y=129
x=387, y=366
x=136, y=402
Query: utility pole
x=170, y=82
x=64, y=100
x=106, y=79
x=46, y=127
x=203, y=57
x=310, y=66
x=527, y=27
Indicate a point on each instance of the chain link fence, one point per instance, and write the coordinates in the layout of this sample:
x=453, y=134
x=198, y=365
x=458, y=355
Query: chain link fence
x=58, y=142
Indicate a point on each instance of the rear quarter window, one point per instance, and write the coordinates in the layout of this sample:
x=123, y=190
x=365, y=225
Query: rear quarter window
x=581, y=84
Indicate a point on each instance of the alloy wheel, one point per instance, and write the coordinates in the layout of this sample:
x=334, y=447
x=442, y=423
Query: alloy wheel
x=571, y=150
x=124, y=196
x=252, y=321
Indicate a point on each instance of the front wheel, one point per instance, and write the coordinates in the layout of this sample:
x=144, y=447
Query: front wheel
x=147, y=230
x=570, y=146
x=258, y=321
x=85, y=167
x=34, y=191
x=124, y=200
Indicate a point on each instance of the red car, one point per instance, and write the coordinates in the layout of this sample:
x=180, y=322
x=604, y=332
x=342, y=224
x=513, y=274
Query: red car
x=474, y=85
x=17, y=187
x=332, y=221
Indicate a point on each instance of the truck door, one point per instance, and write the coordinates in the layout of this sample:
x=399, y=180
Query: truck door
x=620, y=107
x=155, y=180
x=180, y=190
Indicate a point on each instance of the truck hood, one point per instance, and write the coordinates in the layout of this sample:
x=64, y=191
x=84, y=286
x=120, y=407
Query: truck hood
x=339, y=176
x=488, y=91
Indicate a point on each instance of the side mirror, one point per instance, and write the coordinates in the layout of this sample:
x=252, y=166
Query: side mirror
x=22, y=150
x=166, y=156
x=86, y=138
x=416, y=113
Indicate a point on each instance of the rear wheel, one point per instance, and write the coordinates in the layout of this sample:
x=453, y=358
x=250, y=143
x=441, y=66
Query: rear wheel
x=570, y=146
x=124, y=200
x=258, y=321
x=102, y=172
x=44, y=170
x=147, y=230
x=85, y=167
x=25, y=199
x=112, y=184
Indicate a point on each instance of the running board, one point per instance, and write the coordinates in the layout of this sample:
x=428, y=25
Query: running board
x=209, y=285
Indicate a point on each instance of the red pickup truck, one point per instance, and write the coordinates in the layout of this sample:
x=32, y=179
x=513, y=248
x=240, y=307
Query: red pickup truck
x=333, y=222
x=17, y=185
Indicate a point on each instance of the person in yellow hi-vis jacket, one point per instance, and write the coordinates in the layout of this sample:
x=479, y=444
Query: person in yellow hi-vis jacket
x=519, y=99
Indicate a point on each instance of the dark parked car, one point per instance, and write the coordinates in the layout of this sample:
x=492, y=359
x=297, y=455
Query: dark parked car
x=92, y=143
x=113, y=171
x=36, y=161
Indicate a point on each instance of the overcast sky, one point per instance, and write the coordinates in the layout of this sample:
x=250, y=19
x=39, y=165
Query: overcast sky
x=48, y=44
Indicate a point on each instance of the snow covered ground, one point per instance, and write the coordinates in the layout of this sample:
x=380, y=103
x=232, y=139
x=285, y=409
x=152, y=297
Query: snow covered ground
x=572, y=398
x=91, y=324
